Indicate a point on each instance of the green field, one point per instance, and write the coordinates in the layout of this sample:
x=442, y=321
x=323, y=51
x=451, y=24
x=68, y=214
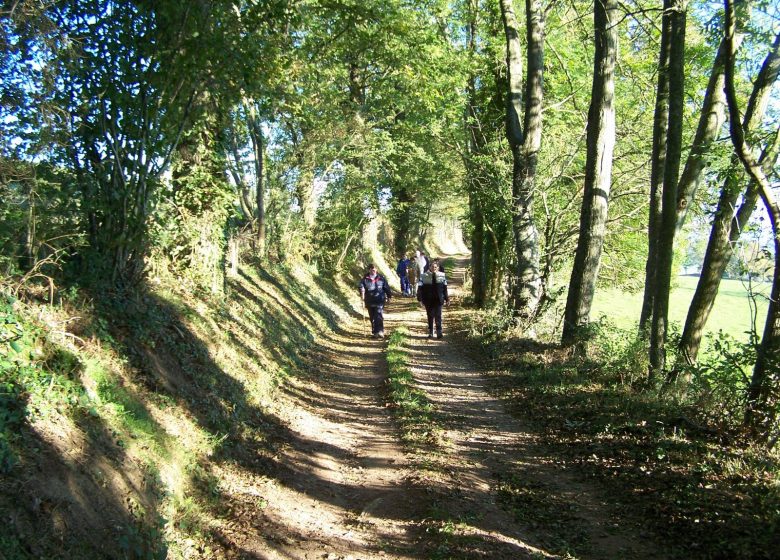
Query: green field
x=731, y=313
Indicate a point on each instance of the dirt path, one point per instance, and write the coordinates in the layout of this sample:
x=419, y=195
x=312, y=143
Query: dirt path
x=343, y=486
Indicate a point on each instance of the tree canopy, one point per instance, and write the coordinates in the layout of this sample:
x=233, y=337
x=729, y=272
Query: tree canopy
x=147, y=138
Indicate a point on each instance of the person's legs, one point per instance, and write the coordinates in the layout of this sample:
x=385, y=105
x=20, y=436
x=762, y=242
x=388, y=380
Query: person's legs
x=372, y=315
x=429, y=313
x=437, y=318
x=379, y=321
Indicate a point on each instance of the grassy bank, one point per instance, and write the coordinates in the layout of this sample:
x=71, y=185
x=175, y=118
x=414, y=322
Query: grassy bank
x=117, y=416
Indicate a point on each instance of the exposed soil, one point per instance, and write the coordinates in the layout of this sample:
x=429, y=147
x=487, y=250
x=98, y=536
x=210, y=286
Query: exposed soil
x=341, y=484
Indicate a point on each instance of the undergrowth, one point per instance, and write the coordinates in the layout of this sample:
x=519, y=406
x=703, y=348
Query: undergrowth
x=36, y=377
x=675, y=454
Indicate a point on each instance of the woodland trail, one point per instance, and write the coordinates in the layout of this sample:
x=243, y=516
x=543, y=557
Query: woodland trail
x=342, y=486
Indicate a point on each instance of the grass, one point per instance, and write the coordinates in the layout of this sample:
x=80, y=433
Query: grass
x=731, y=312
x=414, y=411
x=165, y=387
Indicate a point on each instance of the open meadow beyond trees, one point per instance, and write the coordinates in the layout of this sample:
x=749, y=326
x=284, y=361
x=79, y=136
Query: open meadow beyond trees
x=733, y=312
x=228, y=230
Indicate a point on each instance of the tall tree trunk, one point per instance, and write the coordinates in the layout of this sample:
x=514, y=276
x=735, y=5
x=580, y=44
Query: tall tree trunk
x=727, y=227
x=598, y=172
x=256, y=134
x=477, y=253
x=658, y=163
x=304, y=185
x=402, y=229
x=473, y=144
x=658, y=330
x=494, y=272
x=711, y=120
x=29, y=255
x=761, y=410
x=524, y=142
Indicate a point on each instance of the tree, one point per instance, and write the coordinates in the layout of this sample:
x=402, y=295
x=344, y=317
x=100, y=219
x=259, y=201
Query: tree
x=728, y=225
x=128, y=89
x=711, y=120
x=658, y=164
x=598, y=172
x=761, y=411
x=524, y=142
x=676, y=10
x=483, y=151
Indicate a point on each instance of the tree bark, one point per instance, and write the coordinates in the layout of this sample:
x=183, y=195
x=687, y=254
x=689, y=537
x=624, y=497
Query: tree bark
x=728, y=226
x=711, y=120
x=598, y=173
x=524, y=142
x=658, y=162
x=477, y=253
x=256, y=134
x=474, y=144
x=658, y=331
x=761, y=409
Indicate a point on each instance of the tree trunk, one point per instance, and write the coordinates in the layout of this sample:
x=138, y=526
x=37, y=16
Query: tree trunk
x=477, y=253
x=403, y=199
x=494, y=272
x=658, y=163
x=711, y=120
x=474, y=144
x=29, y=255
x=524, y=142
x=727, y=227
x=762, y=397
x=658, y=330
x=598, y=173
x=256, y=135
x=761, y=409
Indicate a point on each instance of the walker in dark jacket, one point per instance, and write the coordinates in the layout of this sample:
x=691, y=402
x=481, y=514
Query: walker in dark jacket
x=375, y=293
x=402, y=269
x=432, y=292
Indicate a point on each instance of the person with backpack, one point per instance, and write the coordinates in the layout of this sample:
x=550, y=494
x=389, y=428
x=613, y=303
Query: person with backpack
x=375, y=292
x=432, y=293
x=403, y=269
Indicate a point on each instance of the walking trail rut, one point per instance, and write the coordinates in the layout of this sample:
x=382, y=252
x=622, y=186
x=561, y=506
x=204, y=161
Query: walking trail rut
x=341, y=485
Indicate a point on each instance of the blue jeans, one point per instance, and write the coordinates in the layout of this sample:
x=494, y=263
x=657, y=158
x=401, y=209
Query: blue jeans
x=406, y=287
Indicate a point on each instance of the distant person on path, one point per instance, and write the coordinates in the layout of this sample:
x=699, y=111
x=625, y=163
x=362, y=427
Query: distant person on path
x=432, y=293
x=403, y=270
x=375, y=292
x=411, y=271
x=422, y=264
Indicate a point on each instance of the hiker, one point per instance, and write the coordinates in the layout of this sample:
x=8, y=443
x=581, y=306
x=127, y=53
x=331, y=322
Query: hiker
x=403, y=269
x=432, y=293
x=411, y=272
x=421, y=264
x=415, y=270
x=375, y=292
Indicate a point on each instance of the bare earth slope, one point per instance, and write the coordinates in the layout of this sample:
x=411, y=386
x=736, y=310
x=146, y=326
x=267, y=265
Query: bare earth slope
x=343, y=486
